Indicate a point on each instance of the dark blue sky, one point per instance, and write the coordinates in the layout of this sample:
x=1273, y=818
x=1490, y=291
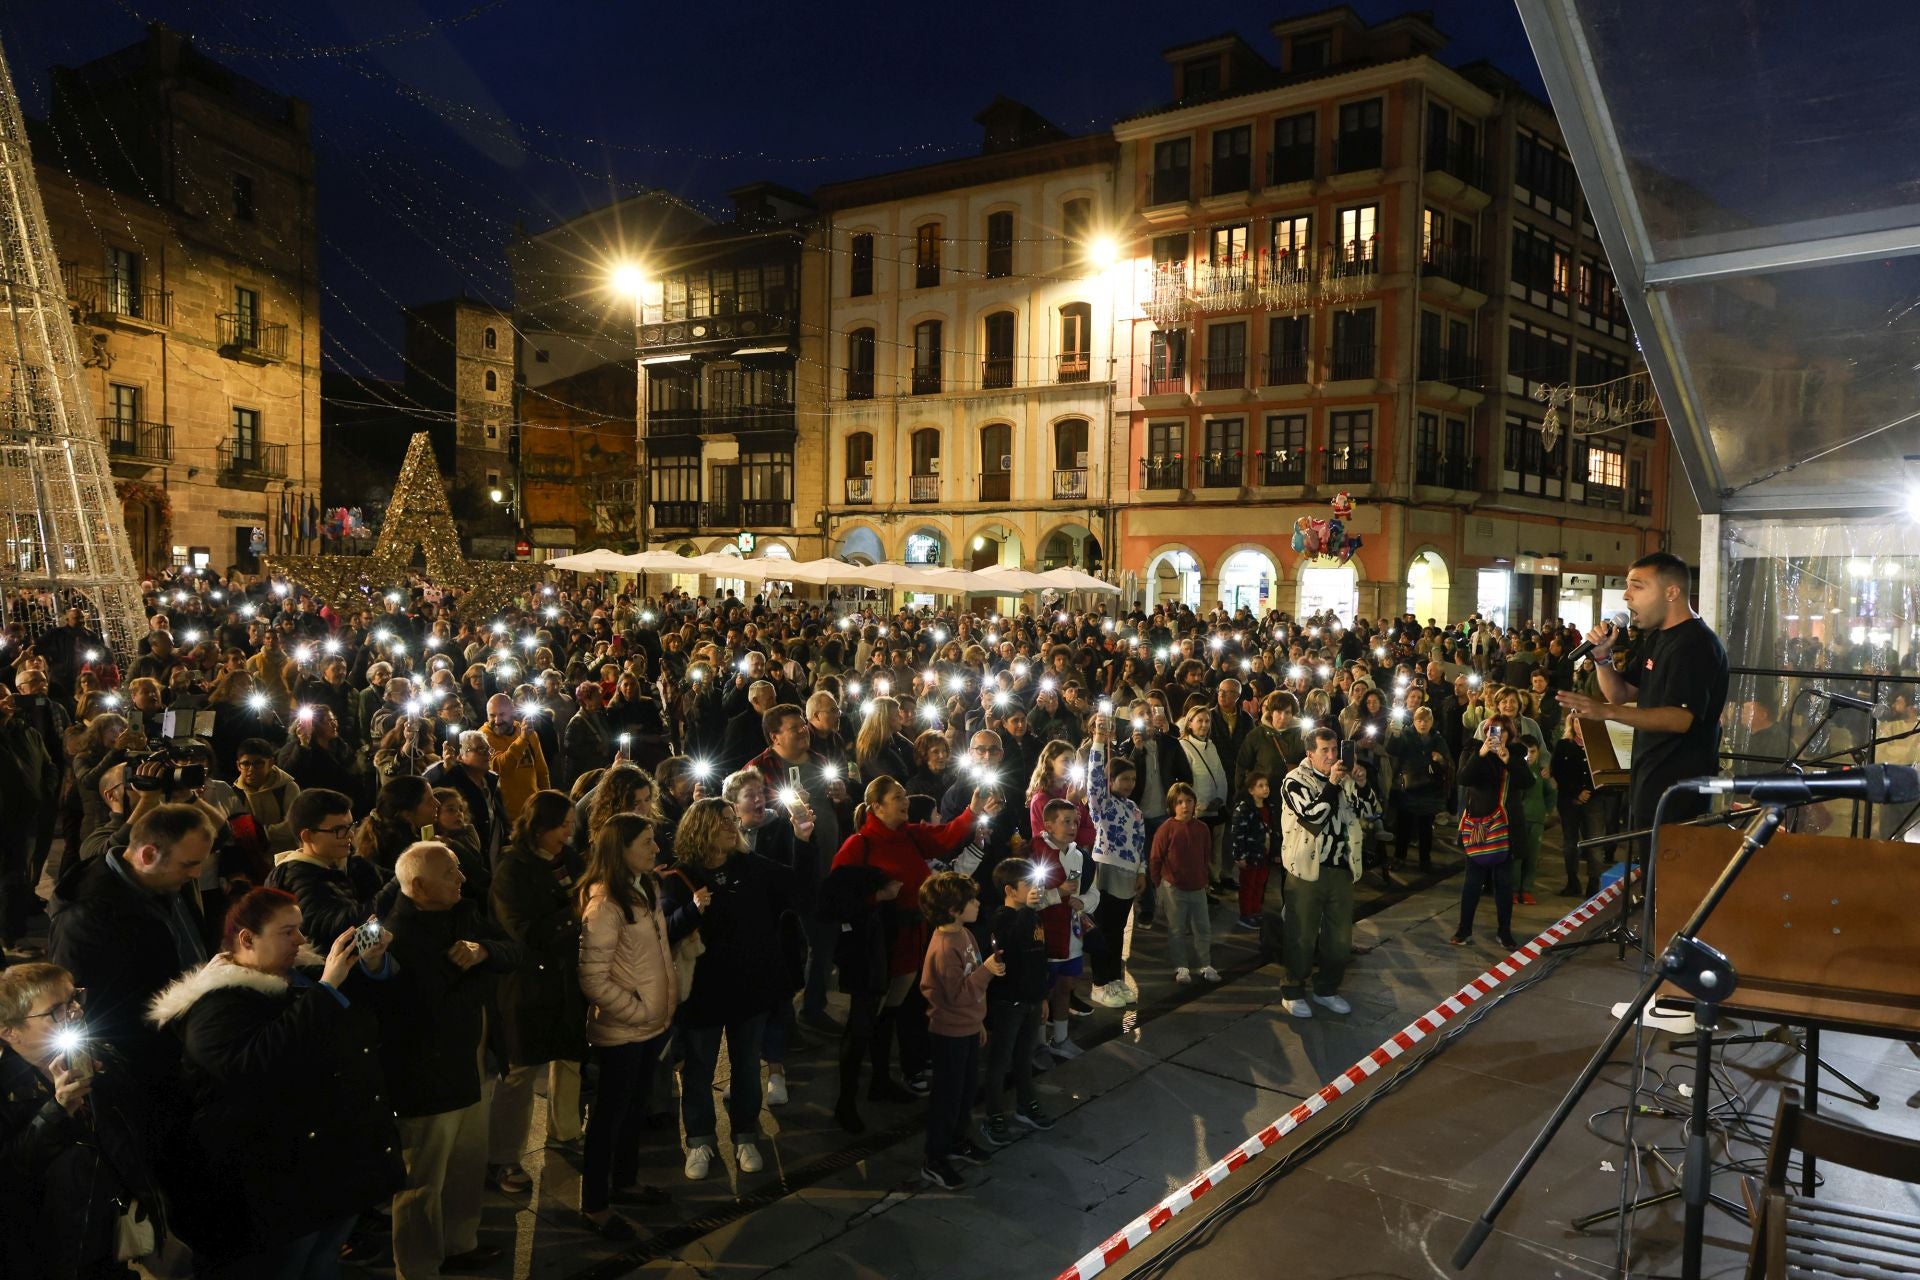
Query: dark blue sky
x=437, y=123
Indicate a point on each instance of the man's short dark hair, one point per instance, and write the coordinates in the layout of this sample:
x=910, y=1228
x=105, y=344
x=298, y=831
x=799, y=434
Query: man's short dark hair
x=310, y=808
x=1320, y=734
x=774, y=717
x=255, y=747
x=166, y=825
x=1669, y=568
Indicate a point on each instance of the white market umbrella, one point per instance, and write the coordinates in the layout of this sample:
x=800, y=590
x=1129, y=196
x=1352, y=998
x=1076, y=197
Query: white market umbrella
x=1078, y=580
x=594, y=562
x=1010, y=580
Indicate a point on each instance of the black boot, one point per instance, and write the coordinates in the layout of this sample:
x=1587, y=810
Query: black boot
x=883, y=1087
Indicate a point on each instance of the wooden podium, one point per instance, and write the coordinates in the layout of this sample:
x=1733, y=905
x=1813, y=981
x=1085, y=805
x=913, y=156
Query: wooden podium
x=1821, y=930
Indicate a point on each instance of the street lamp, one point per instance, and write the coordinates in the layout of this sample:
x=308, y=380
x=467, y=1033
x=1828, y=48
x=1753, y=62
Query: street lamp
x=630, y=281
x=1103, y=252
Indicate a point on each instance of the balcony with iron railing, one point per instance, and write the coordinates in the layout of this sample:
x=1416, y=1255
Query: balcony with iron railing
x=996, y=486
x=996, y=372
x=678, y=514
x=1073, y=366
x=1224, y=470
x=1446, y=470
x=1458, y=160
x=748, y=513
x=1284, y=369
x=1289, y=281
x=244, y=337
x=1450, y=262
x=1161, y=473
x=926, y=379
x=1603, y=495
x=1290, y=164
x=859, y=490
x=1283, y=467
x=1169, y=301
x=1171, y=186
x=1169, y=379
x=1223, y=373
x=1443, y=364
x=1350, y=464
x=1361, y=149
x=1223, y=286
x=1070, y=483
x=923, y=488
x=1229, y=177
x=137, y=442
x=109, y=300
x=859, y=384
x=1351, y=362
x=251, y=460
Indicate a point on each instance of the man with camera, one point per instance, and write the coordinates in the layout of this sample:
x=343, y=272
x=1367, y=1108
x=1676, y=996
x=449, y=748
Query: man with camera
x=1326, y=799
x=127, y=923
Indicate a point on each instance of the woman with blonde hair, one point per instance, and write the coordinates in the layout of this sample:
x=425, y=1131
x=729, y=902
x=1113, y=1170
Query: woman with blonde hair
x=881, y=749
x=1212, y=788
x=735, y=978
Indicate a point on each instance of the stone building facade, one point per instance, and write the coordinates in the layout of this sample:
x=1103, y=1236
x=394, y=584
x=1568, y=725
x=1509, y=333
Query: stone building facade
x=180, y=198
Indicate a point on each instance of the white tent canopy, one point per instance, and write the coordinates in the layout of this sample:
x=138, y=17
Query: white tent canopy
x=998, y=580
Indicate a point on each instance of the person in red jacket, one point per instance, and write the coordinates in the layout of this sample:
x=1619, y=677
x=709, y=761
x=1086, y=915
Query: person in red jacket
x=874, y=885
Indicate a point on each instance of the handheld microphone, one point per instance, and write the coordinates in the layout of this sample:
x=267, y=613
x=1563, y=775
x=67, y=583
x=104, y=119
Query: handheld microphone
x=1619, y=622
x=1843, y=700
x=1874, y=783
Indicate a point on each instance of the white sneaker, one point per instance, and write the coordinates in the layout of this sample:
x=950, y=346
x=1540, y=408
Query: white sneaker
x=1064, y=1049
x=1183, y=976
x=747, y=1156
x=777, y=1090
x=1333, y=1004
x=1210, y=973
x=699, y=1162
x=1298, y=1008
x=1132, y=994
x=1111, y=996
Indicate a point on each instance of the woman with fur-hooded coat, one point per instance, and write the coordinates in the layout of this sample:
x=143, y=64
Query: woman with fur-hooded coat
x=290, y=1134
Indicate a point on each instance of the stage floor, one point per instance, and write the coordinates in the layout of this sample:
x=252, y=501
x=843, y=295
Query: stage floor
x=1393, y=1195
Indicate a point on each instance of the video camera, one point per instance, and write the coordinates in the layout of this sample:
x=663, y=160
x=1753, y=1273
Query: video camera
x=184, y=770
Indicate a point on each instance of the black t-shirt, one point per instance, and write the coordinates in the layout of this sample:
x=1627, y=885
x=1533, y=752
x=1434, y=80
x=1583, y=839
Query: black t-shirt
x=1680, y=666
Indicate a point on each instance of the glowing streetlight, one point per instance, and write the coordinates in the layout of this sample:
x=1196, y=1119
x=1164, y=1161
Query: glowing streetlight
x=628, y=280
x=1103, y=252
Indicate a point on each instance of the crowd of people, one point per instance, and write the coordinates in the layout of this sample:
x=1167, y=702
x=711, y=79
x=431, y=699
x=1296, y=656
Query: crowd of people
x=339, y=897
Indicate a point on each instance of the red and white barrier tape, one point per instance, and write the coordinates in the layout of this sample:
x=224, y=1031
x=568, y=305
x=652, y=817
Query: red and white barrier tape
x=1134, y=1233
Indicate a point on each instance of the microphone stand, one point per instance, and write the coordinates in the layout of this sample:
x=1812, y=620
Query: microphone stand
x=1709, y=978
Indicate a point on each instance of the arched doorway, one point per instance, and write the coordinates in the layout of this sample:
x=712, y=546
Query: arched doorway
x=723, y=585
x=1329, y=587
x=1173, y=577
x=1071, y=547
x=925, y=546
x=1428, y=586
x=1248, y=579
x=859, y=545
x=991, y=545
x=775, y=551
x=687, y=582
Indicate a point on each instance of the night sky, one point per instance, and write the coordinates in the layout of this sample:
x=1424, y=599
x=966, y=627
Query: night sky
x=437, y=125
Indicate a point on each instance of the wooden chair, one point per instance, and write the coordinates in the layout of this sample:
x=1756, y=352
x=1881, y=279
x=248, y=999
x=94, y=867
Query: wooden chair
x=1795, y=1235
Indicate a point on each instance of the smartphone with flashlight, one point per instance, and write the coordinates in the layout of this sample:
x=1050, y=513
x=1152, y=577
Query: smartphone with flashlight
x=72, y=1044
x=1346, y=754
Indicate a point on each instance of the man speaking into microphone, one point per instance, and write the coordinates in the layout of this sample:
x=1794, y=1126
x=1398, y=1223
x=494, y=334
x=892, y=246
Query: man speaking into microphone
x=1671, y=692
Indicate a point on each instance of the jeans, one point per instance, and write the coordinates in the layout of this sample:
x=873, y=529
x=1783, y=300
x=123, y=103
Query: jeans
x=956, y=1067
x=314, y=1256
x=773, y=1044
x=1501, y=876
x=1319, y=932
x=618, y=1119
x=822, y=936
x=1189, y=928
x=702, y=1048
x=1579, y=822
x=1526, y=850
x=1013, y=1027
